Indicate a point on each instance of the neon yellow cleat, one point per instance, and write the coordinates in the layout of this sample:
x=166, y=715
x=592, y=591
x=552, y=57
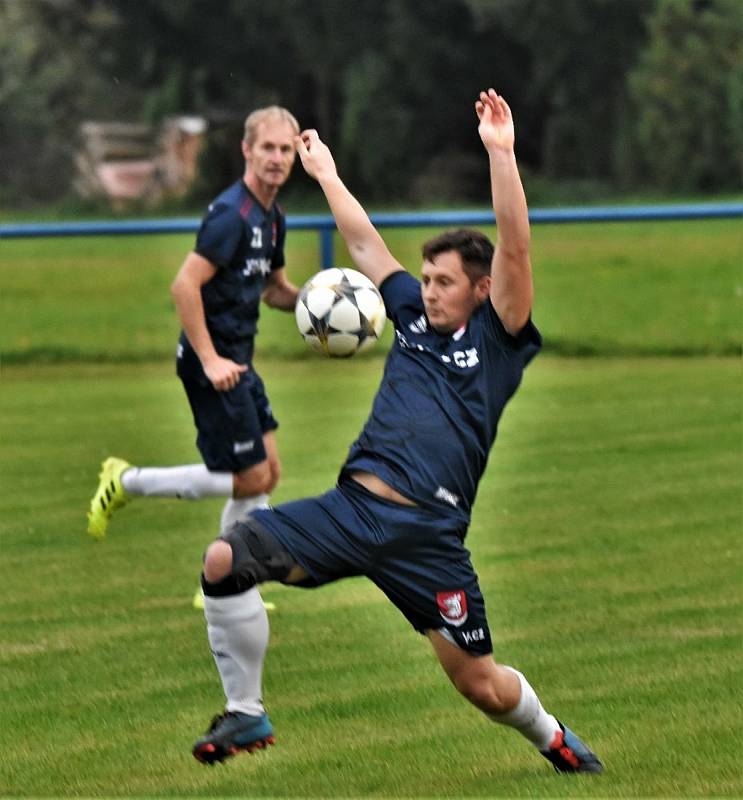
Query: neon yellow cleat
x=109, y=496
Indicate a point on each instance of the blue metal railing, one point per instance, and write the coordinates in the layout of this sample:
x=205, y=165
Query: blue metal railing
x=325, y=225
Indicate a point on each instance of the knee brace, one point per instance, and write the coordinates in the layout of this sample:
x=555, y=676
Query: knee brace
x=256, y=557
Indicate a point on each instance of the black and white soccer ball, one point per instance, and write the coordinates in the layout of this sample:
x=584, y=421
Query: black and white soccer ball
x=340, y=312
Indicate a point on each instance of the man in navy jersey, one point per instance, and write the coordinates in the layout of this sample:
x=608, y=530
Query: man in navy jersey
x=401, y=509
x=238, y=261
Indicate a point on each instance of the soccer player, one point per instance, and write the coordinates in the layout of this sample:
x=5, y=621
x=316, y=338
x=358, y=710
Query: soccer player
x=401, y=508
x=238, y=260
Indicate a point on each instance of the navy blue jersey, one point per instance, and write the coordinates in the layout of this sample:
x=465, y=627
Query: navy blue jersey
x=435, y=415
x=245, y=242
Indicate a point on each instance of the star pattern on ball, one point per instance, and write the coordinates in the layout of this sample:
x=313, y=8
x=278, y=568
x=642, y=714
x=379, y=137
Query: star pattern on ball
x=340, y=312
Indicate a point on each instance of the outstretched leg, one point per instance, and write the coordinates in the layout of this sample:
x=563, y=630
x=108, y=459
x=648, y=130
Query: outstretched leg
x=507, y=698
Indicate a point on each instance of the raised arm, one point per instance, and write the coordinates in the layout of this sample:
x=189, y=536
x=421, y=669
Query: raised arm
x=511, y=289
x=367, y=248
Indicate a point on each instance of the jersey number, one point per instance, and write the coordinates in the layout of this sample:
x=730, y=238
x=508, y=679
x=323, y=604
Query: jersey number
x=257, y=240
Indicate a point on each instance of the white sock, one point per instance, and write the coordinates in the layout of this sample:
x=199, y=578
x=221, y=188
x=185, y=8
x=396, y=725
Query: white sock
x=237, y=627
x=236, y=509
x=190, y=482
x=528, y=717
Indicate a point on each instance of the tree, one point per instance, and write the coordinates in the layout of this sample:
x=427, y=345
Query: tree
x=408, y=127
x=579, y=52
x=687, y=98
x=45, y=84
x=389, y=83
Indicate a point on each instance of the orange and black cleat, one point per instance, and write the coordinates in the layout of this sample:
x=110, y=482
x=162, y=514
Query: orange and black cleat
x=569, y=754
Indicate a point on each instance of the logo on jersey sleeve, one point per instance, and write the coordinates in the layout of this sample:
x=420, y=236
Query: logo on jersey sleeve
x=453, y=606
x=419, y=325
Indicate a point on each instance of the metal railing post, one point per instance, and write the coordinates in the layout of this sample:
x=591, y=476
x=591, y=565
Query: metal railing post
x=327, y=248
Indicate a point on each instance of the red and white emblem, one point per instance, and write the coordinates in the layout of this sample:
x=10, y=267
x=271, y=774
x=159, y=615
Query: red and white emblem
x=453, y=606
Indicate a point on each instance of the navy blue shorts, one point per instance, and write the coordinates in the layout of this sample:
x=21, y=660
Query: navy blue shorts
x=416, y=557
x=231, y=424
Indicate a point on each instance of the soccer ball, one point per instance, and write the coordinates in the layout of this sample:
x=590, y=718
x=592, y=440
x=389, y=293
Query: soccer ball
x=340, y=312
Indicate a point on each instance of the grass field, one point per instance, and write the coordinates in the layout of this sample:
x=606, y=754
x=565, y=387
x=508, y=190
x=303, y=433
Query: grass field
x=672, y=288
x=607, y=536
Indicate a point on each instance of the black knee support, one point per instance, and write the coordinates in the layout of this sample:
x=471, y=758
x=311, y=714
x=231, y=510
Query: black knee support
x=256, y=557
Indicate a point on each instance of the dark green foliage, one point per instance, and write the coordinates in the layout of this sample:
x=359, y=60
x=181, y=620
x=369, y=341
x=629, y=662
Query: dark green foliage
x=571, y=88
x=687, y=97
x=618, y=91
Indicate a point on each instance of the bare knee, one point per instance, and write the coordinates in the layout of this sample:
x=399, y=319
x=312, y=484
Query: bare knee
x=275, y=467
x=258, y=479
x=252, y=481
x=218, y=561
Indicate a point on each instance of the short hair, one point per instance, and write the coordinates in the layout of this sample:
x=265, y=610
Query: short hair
x=260, y=115
x=474, y=248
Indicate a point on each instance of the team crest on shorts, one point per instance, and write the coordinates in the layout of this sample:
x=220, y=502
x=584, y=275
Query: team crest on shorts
x=453, y=606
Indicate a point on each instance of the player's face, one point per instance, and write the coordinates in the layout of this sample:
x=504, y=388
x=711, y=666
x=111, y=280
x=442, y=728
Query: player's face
x=271, y=155
x=449, y=296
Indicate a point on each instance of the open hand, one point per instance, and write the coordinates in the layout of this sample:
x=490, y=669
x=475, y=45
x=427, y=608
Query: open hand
x=496, y=123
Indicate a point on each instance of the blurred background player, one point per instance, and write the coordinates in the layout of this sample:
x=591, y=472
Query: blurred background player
x=238, y=260
x=401, y=509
